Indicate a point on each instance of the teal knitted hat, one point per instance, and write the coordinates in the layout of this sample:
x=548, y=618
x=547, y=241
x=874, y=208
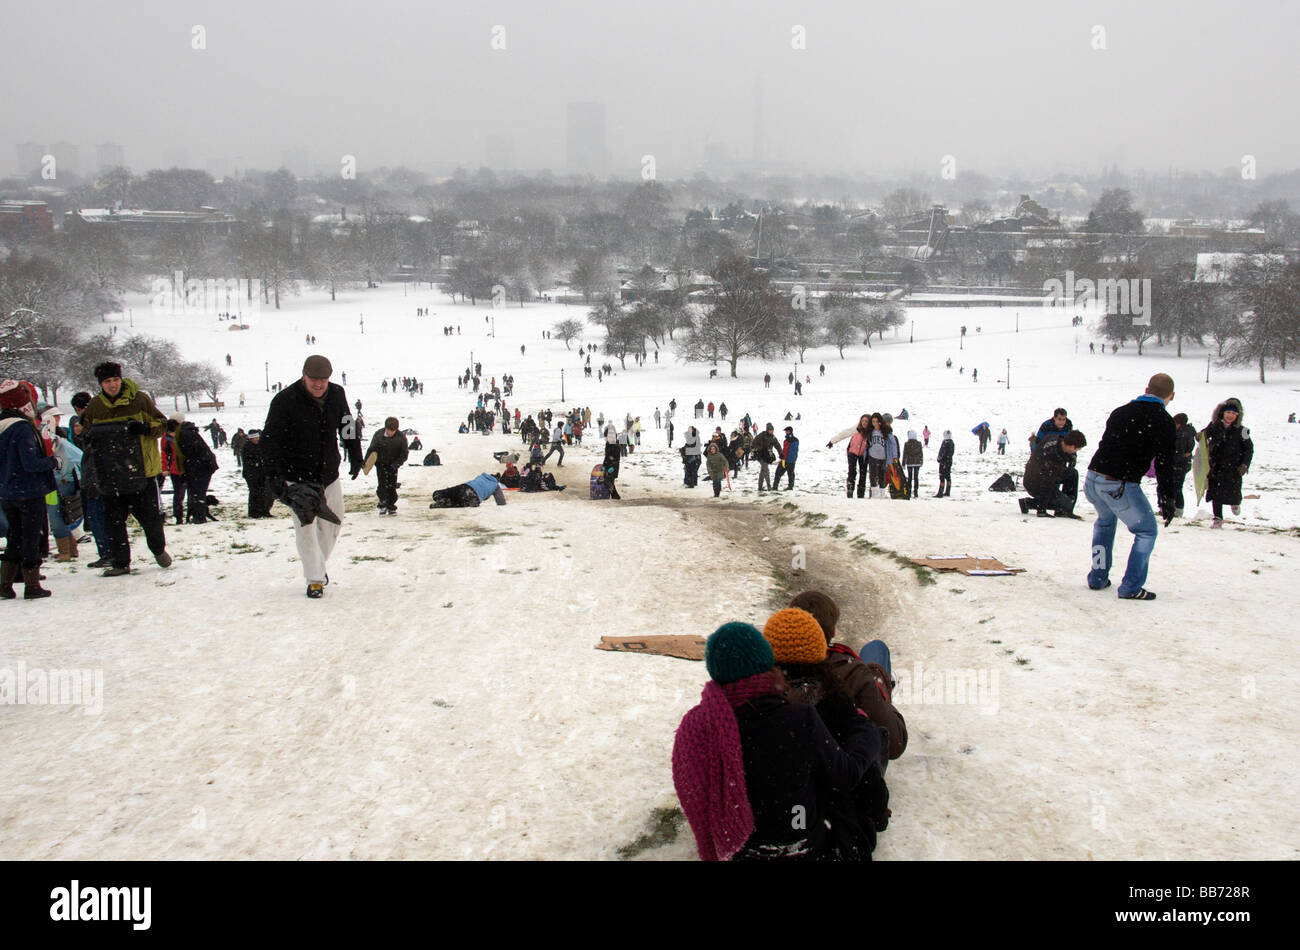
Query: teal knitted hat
x=735, y=651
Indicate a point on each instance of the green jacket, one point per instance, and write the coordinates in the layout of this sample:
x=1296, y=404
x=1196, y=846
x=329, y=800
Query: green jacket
x=715, y=464
x=131, y=403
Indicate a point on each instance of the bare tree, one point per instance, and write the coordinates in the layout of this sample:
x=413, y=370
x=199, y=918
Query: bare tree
x=567, y=330
x=743, y=320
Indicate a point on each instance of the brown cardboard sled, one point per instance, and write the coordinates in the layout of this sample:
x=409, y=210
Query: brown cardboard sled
x=683, y=646
x=970, y=566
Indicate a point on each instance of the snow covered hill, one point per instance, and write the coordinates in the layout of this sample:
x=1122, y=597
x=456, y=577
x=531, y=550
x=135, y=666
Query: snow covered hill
x=445, y=700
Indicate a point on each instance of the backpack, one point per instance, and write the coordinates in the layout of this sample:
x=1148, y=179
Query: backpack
x=1004, y=483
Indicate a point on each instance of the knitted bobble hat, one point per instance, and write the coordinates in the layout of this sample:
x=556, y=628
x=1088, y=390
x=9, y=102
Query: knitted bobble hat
x=795, y=636
x=736, y=651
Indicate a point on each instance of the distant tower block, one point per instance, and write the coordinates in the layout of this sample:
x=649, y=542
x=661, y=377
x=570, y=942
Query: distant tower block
x=109, y=155
x=587, y=151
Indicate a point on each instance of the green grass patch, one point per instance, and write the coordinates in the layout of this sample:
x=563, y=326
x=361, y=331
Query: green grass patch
x=480, y=536
x=239, y=547
x=358, y=558
x=812, y=520
x=839, y=531
x=664, y=826
x=924, y=576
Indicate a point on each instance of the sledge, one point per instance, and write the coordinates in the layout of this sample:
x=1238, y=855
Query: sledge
x=1200, y=466
x=599, y=490
x=895, y=481
x=682, y=646
x=370, y=462
x=965, y=564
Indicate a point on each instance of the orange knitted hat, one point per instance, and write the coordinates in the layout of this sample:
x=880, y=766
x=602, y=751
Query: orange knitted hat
x=796, y=637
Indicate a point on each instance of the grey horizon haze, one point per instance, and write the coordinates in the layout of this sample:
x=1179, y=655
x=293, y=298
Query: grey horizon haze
x=1003, y=87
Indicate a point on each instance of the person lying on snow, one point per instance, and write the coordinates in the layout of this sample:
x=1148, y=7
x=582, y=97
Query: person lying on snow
x=471, y=494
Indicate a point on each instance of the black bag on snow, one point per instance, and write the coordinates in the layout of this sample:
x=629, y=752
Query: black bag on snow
x=1004, y=483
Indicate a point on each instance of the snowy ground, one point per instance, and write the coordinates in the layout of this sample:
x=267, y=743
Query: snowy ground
x=444, y=699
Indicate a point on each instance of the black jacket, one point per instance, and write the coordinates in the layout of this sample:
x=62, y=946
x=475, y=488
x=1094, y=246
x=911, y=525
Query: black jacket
x=199, y=460
x=1230, y=447
x=300, y=440
x=392, y=451
x=946, y=450
x=1048, y=430
x=1137, y=432
x=792, y=759
x=254, y=464
x=1184, y=446
x=1046, y=467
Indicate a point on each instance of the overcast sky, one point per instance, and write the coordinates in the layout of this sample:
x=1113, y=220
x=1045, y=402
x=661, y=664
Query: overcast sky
x=1001, y=85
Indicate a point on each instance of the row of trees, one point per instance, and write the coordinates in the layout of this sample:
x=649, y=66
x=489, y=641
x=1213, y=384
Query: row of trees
x=742, y=316
x=1252, y=317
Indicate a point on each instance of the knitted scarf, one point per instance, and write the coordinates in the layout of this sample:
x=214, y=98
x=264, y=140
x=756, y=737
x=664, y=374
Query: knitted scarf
x=709, y=769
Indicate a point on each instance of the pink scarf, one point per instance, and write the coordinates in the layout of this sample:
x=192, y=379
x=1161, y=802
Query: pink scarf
x=709, y=775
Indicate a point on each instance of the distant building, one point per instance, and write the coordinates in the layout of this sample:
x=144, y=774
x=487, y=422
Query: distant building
x=587, y=152
x=109, y=155
x=29, y=158
x=67, y=158
x=137, y=221
x=1216, y=268
x=499, y=153
x=22, y=220
x=297, y=161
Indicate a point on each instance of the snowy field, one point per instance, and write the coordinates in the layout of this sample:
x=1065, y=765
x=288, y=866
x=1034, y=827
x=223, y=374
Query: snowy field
x=444, y=699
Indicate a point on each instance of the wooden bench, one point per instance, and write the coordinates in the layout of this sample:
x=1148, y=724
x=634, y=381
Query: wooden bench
x=212, y=405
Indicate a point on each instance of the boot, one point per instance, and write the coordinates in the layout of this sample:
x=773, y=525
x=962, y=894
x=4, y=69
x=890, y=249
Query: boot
x=32, y=588
x=8, y=574
x=64, y=554
x=72, y=547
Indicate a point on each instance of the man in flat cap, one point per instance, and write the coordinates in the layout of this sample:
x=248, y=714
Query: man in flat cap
x=300, y=443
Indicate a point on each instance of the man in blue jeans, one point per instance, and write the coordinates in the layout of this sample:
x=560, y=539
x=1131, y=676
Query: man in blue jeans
x=1136, y=433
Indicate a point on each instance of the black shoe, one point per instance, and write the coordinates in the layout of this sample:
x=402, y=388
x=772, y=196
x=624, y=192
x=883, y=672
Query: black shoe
x=1102, y=587
x=1042, y=513
x=1143, y=594
x=163, y=558
x=101, y=563
x=116, y=571
x=1024, y=506
x=315, y=591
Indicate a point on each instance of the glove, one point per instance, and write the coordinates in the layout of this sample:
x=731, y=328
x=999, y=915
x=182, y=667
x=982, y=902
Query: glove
x=58, y=464
x=1241, y=470
x=830, y=445
x=355, y=470
x=136, y=427
x=1167, y=512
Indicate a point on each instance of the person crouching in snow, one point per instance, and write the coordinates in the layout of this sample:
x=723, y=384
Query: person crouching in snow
x=756, y=774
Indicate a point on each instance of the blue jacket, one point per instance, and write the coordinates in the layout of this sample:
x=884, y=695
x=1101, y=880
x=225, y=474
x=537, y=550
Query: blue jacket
x=484, y=485
x=790, y=450
x=25, y=470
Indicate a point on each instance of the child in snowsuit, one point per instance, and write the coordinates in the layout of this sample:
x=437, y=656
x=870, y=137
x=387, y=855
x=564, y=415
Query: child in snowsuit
x=946, y=450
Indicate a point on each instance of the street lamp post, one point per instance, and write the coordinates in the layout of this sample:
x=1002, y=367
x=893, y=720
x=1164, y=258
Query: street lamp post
x=561, y=385
x=268, y=376
x=1207, y=367
x=1008, y=372
x=911, y=336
